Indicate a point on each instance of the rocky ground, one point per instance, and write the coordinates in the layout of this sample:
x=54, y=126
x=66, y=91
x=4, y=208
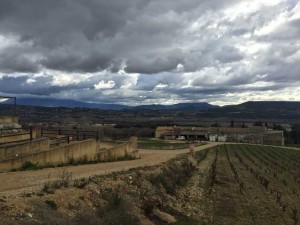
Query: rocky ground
x=12, y=183
x=170, y=193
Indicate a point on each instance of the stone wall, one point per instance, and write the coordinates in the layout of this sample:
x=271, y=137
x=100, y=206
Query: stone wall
x=54, y=156
x=37, y=152
x=19, y=149
x=120, y=151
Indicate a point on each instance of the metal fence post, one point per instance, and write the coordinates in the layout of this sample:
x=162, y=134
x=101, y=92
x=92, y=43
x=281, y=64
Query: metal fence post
x=30, y=133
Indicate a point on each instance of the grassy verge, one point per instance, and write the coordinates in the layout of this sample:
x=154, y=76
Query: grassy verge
x=293, y=145
x=160, y=144
x=28, y=165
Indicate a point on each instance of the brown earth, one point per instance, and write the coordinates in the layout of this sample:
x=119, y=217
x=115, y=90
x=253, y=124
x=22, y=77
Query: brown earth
x=205, y=189
x=13, y=183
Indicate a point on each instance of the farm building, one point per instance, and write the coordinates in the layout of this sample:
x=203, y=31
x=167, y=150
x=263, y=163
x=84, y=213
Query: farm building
x=254, y=135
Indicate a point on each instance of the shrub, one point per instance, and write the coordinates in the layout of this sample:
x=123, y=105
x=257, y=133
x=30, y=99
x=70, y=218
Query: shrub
x=176, y=174
x=52, y=204
x=64, y=180
x=28, y=165
x=81, y=183
x=120, y=210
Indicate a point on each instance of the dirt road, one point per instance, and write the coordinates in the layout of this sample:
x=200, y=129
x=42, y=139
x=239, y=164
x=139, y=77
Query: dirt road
x=17, y=182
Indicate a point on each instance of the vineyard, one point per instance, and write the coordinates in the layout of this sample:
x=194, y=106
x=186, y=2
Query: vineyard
x=253, y=185
x=232, y=184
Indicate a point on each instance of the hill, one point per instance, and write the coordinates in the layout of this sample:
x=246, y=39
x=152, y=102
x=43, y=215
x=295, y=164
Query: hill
x=49, y=102
x=259, y=109
x=178, y=107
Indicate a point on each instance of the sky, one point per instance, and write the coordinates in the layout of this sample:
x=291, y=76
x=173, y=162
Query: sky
x=137, y=52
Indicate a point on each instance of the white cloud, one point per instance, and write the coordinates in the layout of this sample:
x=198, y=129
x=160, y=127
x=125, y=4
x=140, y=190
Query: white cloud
x=105, y=85
x=272, y=25
x=30, y=81
x=160, y=86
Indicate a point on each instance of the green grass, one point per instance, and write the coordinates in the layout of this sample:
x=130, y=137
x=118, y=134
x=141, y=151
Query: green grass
x=150, y=143
x=293, y=145
x=28, y=165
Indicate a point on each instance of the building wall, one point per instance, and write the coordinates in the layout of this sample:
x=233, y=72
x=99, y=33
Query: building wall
x=54, y=156
x=162, y=130
x=213, y=137
x=222, y=138
x=19, y=149
x=274, y=138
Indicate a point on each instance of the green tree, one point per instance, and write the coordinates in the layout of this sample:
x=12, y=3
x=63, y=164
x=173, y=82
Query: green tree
x=266, y=125
x=232, y=123
x=277, y=127
x=295, y=134
x=216, y=124
x=258, y=124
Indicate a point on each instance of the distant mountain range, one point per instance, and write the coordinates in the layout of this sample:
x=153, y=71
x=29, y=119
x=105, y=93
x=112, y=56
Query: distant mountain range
x=258, y=109
x=47, y=102
x=251, y=109
x=179, y=107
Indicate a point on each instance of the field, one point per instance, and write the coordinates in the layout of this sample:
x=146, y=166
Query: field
x=254, y=185
x=151, y=143
x=223, y=185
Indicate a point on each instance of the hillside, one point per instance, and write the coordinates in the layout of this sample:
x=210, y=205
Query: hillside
x=259, y=109
x=178, y=107
x=48, y=102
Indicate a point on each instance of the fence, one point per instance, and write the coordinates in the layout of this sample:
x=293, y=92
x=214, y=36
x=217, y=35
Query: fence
x=57, y=136
x=9, y=135
x=75, y=134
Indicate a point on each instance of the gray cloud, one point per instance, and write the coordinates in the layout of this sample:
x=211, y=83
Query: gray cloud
x=14, y=62
x=151, y=50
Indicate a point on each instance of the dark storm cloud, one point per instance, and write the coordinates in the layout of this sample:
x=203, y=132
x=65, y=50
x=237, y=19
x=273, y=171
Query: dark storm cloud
x=73, y=35
x=178, y=48
x=155, y=63
x=14, y=62
x=69, y=61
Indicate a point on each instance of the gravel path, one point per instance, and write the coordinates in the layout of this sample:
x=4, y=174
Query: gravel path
x=13, y=183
